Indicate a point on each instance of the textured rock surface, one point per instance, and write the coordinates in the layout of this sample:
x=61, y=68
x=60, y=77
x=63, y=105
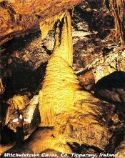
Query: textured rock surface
x=18, y=17
x=22, y=68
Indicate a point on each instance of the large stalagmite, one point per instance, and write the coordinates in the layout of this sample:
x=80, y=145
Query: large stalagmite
x=60, y=84
x=73, y=113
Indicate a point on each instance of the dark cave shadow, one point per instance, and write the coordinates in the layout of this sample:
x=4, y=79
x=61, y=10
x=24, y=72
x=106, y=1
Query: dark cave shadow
x=23, y=78
x=7, y=135
x=19, y=43
x=111, y=88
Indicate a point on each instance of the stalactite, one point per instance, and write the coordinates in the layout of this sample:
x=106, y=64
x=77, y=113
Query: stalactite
x=116, y=8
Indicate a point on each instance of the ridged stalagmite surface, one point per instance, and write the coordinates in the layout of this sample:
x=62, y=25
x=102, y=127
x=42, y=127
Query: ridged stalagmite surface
x=60, y=84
